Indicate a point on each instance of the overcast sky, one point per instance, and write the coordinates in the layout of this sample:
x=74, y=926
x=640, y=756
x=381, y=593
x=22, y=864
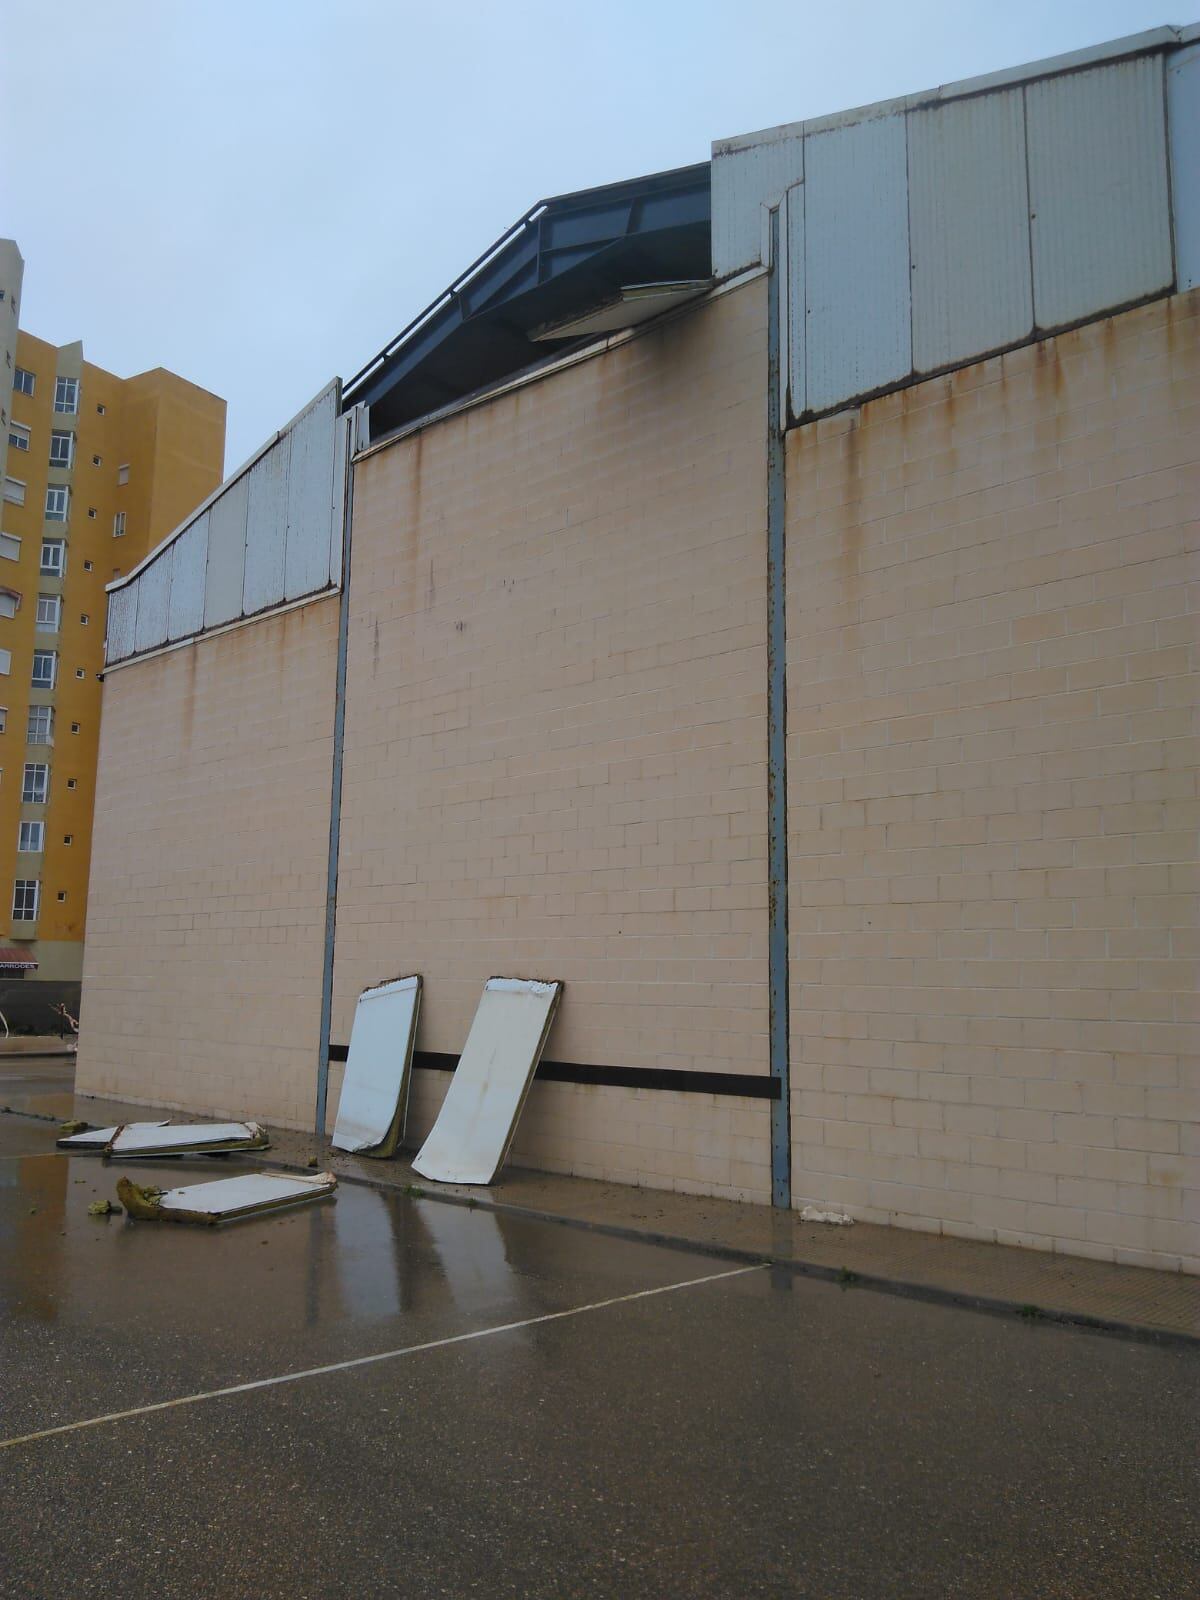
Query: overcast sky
x=260, y=193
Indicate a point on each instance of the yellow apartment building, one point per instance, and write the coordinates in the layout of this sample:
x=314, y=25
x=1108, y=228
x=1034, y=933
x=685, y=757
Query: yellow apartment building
x=98, y=469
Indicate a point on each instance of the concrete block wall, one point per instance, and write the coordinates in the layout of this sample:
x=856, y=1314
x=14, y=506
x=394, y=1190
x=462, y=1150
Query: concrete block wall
x=992, y=585
x=556, y=742
x=202, y=969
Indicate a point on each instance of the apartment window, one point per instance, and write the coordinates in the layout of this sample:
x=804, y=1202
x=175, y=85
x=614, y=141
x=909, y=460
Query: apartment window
x=49, y=613
x=66, y=395
x=41, y=725
x=26, y=894
x=80, y=673
x=62, y=448
x=10, y=547
x=9, y=601
x=31, y=837
x=3, y=718
x=54, y=557
x=35, y=786
x=72, y=783
x=119, y=525
x=45, y=669
x=92, y=512
x=58, y=501
x=24, y=381
x=68, y=838
x=100, y=410
x=14, y=491
x=84, y=618
x=61, y=895
x=75, y=726
x=123, y=472
x=5, y=663
x=87, y=566
x=18, y=436
x=97, y=461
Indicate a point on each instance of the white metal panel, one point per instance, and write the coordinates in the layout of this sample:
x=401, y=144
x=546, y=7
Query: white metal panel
x=250, y=1192
x=478, y=1118
x=310, y=500
x=378, y=1067
x=226, y=556
x=343, y=430
x=122, y=619
x=151, y=1138
x=794, y=255
x=856, y=265
x=154, y=597
x=1101, y=231
x=266, y=528
x=186, y=613
x=744, y=179
x=972, y=288
x=1183, y=116
x=95, y=1139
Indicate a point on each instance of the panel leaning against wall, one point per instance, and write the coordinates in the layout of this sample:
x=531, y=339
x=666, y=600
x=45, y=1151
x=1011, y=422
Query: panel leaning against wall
x=269, y=536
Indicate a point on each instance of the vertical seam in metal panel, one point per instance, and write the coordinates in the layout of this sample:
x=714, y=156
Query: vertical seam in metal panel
x=1166, y=114
x=777, y=947
x=335, y=787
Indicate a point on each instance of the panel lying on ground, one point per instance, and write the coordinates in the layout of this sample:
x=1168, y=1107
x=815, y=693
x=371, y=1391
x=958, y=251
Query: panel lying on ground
x=168, y=1139
x=475, y=1126
x=225, y=1198
x=374, y=1098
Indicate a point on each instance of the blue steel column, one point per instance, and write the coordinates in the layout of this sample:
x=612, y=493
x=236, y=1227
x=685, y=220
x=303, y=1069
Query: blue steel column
x=777, y=867
x=335, y=795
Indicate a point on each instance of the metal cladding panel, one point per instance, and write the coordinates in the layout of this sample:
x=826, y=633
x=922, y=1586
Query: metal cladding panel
x=972, y=288
x=186, y=613
x=797, y=388
x=122, y=620
x=343, y=434
x=1101, y=226
x=743, y=181
x=856, y=265
x=266, y=528
x=1183, y=116
x=310, y=500
x=226, y=556
x=154, y=599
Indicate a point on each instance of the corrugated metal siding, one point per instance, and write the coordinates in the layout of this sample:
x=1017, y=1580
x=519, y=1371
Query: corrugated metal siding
x=1183, y=111
x=1101, y=228
x=797, y=345
x=270, y=535
x=743, y=180
x=972, y=288
x=856, y=269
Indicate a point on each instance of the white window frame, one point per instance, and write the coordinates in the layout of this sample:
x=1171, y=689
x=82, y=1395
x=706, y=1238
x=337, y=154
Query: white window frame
x=3, y=719
x=44, y=682
x=18, y=436
x=119, y=525
x=123, y=472
x=19, y=385
x=31, y=838
x=26, y=904
x=56, y=436
x=10, y=602
x=49, y=613
x=66, y=396
x=58, y=502
x=14, y=491
x=43, y=733
x=10, y=546
x=57, y=547
x=35, y=783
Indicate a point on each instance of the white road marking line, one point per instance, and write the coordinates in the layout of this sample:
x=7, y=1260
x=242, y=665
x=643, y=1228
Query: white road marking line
x=366, y=1361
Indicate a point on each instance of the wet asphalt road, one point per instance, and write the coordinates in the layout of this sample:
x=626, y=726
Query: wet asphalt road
x=757, y=1435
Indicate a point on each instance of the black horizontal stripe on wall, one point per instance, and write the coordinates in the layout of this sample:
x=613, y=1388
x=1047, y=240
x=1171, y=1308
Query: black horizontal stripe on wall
x=741, y=1085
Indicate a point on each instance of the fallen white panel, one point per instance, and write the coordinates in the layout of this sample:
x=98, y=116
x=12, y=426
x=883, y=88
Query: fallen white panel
x=266, y=528
x=98, y=1139
x=374, y=1096
x=972, y=287
x=154, y=597
x=1183, y=111
x=1101, y=226
x=475, y=1126
x=858, y=335
x=186, y=613
x=145, y=1139
x=225, y=1198
x=310, y=499
x=226, y=555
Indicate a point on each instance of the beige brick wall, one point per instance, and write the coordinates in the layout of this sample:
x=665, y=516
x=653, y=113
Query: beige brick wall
x=202, y=968
x=992, y=802
x=555, y=736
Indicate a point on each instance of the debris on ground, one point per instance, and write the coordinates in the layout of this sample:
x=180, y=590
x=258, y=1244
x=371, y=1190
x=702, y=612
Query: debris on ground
x=66, y=1130
x=374, y=1099
x=223, y=1199
x=103, y=1208
x=147, y=1139
x=838, y=1219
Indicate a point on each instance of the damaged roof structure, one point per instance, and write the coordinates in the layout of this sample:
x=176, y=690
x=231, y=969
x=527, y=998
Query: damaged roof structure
x=757, y=594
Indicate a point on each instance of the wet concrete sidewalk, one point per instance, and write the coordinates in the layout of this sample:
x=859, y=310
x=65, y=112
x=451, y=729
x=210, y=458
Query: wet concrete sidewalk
x=1131, y=1300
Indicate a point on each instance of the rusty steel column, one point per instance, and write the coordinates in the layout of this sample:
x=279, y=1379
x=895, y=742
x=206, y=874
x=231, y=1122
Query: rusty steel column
x=777, y=865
